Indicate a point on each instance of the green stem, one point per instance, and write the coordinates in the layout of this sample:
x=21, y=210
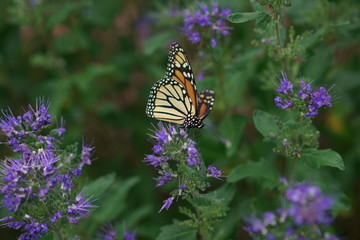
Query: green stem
x=281, y=46
x=199, y=233
x=292, y=169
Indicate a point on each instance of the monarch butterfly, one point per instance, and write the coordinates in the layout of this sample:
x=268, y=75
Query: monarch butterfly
x=174, y=98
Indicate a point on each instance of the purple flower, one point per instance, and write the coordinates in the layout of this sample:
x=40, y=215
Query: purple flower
x=281, y=103
x=213, y=172
x=306, y=90
x=166, y=177
x=152, y=160
x=269, y=218
x=34, y=229
x=200, y=76
x=167, y=203
x=86, y=155
x=193, y=158
x=308, y=205
x=255, y=226
x=107, y=232
x=10, y=125
x=157, y=149
x=310, y=100
x=181, y=189
x=285, y=86
x=129, y=235
x=79, y=208
x=213, y=42
x=57, y=215
x=41, y=174
x=162, y=135
x=205, y=22
x=41, y=115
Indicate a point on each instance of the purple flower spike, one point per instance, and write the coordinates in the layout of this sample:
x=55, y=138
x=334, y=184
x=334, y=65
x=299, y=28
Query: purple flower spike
x=214, y=172
x=205, y=22
x=57, y=215
x=129, y=235
x=86, y=155
x=80, y=208
x=107, y=232
x=167, y=203
x=308, y=205
x=164, y=179
x=285, y=86
x=283, y=104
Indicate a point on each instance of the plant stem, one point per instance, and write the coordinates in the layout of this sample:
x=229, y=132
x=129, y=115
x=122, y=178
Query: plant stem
x=281, y=46
x=292, y=169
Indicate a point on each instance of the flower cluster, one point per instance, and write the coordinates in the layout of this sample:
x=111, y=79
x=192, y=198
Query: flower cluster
x=107, y=232
x=42, y=175
x=307, y=208
x=206, y=24
x=305, y=99
x=176, y=158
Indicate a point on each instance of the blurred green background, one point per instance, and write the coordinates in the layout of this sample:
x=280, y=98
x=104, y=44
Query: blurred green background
x=97, y=60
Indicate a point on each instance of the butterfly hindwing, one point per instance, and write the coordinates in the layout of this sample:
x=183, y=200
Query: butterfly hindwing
x=205, y=102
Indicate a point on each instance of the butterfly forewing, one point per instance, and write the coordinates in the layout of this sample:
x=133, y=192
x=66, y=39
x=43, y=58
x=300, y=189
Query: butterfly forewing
x=168, y=101
x=205, y=102
x=179, y=69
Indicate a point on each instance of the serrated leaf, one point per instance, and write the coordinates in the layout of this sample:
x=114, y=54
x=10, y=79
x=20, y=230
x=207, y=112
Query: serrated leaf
x=265, y=123
x=176, y=232
x=317, y=158
x=231, y=127
x=97, y=187
x=262, y=171
x=244, y=17
x=225, y=192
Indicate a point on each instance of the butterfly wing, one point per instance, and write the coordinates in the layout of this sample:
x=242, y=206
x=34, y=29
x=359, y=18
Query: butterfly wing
x=179, y=69
x=169, y=101
x=205, y=103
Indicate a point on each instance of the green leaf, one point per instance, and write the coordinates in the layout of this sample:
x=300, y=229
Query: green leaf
x=231, y=127
x=226, y=192
x=100, y=185
x=110, y=204
x=317, y=158
x=108, y=210
x=265, y=123
x=262, y=171
x=176, y=232
x=244, y=17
